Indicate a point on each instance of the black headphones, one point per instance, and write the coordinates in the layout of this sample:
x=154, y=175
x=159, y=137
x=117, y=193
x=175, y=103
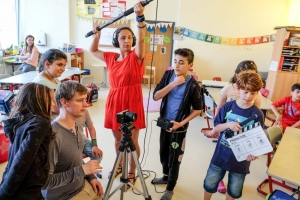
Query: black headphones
x=115, y=41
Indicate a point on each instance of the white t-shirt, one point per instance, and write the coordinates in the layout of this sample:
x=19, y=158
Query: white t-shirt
x=231, y=93
x=44, y=81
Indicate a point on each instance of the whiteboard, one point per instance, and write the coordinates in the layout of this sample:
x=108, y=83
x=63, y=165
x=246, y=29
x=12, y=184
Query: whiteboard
x=107, y=36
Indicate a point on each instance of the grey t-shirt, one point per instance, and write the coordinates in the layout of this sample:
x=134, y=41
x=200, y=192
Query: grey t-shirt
x=66, y=176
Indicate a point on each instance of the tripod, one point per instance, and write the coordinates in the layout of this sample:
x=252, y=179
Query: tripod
x=126, y=147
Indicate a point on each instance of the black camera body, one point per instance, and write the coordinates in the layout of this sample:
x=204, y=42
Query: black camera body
x=164, y=123
x=126, y=117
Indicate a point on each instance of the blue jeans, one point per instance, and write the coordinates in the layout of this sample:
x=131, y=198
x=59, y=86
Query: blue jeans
x=215, y=174
x=87, y=150
x=26, y=68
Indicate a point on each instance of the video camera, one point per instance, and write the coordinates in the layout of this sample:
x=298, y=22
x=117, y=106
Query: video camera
x=126, y=117
x=164, y=123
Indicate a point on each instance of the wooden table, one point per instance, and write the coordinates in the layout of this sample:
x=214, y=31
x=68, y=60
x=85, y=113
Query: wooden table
x=286, y=161
x=215, y=93
x=29, y=76
x=214, y=84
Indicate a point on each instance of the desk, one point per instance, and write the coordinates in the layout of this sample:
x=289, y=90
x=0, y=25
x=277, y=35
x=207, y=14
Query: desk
x=215, y=93
x=13, y=62
x=215, y=84
x=286, y=161
x=104, y=83
x=29, y=76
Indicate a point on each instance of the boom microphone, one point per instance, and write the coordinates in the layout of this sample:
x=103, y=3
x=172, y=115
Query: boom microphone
x=127, y=12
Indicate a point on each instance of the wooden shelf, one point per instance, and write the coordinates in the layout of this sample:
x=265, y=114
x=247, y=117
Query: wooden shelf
x=75, y=60
x=279, y=82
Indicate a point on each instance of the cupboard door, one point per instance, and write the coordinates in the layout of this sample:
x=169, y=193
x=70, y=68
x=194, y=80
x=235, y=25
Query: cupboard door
x=283, y=85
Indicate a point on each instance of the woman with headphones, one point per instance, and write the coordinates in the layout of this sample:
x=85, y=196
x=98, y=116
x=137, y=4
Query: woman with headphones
x=125, y=72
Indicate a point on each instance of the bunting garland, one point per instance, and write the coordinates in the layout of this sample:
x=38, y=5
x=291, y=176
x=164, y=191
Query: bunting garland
x=227, y=40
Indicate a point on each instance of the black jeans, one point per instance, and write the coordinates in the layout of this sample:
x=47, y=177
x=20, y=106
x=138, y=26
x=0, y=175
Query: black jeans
x=171, y=152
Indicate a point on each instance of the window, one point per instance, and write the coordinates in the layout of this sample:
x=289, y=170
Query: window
x=8, y=23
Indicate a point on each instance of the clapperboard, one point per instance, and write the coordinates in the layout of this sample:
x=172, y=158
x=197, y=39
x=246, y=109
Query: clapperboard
x=249, y=140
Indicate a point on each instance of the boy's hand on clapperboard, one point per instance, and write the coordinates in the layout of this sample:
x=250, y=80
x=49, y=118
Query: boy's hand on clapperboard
x=234, y=126
x=251, y=158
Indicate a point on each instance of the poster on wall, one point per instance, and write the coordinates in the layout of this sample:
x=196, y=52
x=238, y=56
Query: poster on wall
x=88, y=8
x=112, y=8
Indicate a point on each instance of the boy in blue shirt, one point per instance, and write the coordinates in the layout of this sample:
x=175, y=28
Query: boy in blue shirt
x=230, y=115
x=179, y=92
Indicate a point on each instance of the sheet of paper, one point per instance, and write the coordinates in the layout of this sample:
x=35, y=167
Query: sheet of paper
x=251, y=142
x=105, y=5
x=114, y=11
x=274, y=65
x=105, y=9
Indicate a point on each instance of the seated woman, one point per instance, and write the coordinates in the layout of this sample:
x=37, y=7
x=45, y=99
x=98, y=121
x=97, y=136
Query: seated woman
x=29, y=55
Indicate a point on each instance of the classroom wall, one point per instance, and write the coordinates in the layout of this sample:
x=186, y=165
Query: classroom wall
x=230, y=18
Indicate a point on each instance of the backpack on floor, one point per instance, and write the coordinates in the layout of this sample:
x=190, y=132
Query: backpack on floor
x=93, y=95
x=278, y=194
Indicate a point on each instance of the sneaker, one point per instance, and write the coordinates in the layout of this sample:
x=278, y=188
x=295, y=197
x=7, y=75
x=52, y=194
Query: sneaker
x=167, y=195
x=221, y=187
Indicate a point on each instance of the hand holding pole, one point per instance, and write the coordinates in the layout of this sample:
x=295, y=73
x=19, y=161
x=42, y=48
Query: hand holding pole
x=126, y=13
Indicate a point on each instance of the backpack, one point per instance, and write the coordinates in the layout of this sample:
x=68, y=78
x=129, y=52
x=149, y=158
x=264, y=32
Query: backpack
x=93, y=94
x=278, y=194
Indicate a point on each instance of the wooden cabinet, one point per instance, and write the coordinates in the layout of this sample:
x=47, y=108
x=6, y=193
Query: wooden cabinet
x=287, y=57
x=75, y=60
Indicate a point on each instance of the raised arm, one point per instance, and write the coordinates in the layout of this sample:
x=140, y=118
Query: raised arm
x=94, y=46
x=141, y=31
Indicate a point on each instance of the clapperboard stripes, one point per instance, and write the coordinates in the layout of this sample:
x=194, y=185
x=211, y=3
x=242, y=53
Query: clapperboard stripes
x=244, y=129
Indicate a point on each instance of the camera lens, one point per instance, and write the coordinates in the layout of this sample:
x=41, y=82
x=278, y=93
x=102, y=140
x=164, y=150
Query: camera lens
x=131, y=116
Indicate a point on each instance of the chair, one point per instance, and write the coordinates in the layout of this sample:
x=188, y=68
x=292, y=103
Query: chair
x=18, y=72
x=149, y=74
x=87, y=136
x=274, y=135
x=271, y=116
x=216, y=79
x=87, y=81
x=210, y=107
x=4, y=86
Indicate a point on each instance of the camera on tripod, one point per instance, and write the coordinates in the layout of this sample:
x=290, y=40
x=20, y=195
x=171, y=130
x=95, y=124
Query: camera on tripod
x=126, y=117
x=164, y=123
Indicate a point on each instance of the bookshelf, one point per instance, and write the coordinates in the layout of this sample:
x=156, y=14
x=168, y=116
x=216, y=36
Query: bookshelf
x=75, y=59
x=286, y=53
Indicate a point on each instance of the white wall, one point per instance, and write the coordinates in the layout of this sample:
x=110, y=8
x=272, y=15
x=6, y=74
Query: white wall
x=230, y=18
x=51, y=17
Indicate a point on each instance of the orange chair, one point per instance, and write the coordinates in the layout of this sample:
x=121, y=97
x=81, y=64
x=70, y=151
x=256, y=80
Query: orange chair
x=87, y=136
x=217, y=79
x=274, y=134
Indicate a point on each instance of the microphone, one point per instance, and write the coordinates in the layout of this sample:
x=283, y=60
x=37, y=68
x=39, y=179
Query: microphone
x=127, y=12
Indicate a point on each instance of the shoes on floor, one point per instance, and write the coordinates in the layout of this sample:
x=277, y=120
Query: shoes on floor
x=221, y=187
x=167, y=195
x=119, y=171
x=157, y=181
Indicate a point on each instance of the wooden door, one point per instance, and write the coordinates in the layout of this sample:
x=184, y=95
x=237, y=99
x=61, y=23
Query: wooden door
x=162, y=49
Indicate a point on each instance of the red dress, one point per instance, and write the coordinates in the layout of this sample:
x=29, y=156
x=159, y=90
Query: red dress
x=125, y=78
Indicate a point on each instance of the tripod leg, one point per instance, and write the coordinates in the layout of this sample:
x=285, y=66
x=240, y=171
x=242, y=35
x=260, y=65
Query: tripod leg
x=112, y=177
x=138, y=167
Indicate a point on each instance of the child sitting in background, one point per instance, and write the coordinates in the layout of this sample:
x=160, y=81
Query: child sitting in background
x=291, y=112
x=230, y=115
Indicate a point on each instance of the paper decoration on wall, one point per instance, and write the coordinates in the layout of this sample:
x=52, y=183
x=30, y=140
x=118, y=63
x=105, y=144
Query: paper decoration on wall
x=226, y=40
x=88, y=8
x=167, y=39
x=148, y=56
x=159, y=25
x=112, y=8
x=103, y=21
x=163, y=50
x=159, y=39
x=163, y=29
x=147, y=39
x=178, y=33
